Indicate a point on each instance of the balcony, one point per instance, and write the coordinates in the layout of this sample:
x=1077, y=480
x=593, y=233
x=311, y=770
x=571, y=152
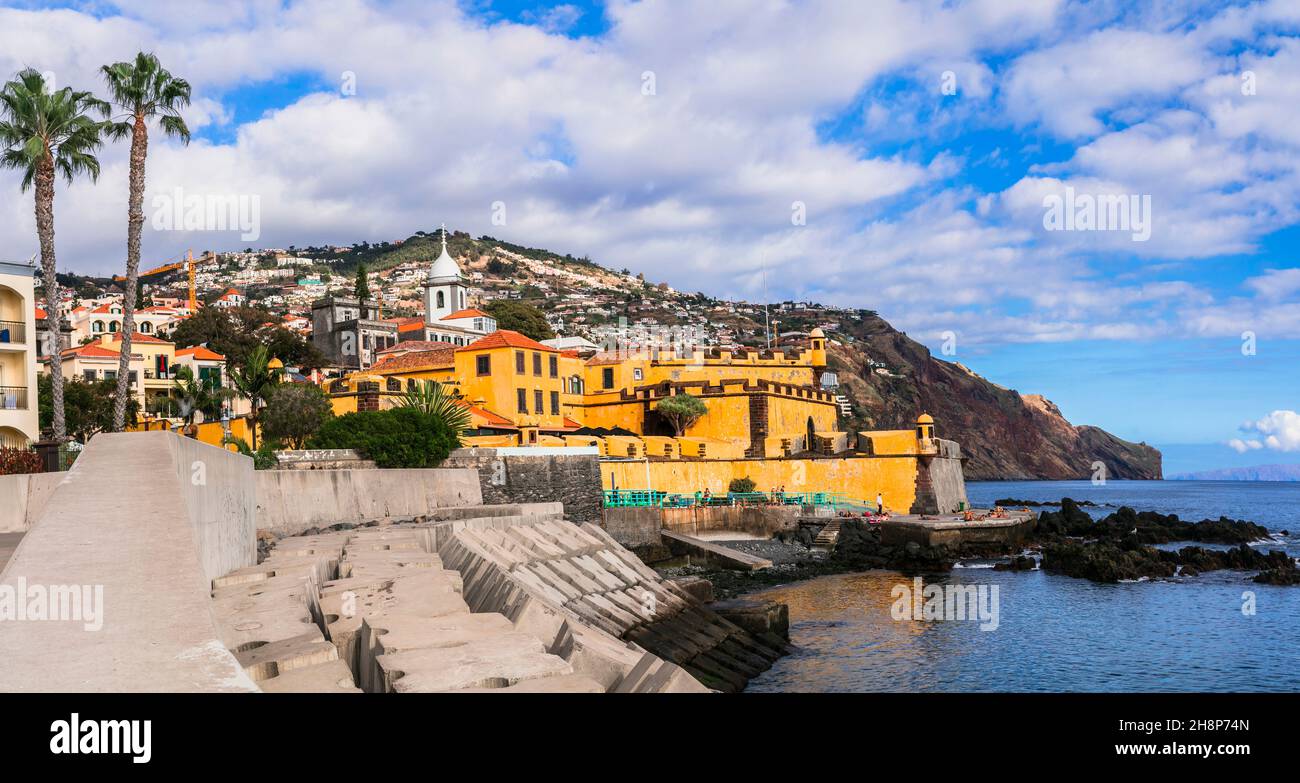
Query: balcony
x=13, y=398
x=13, y=333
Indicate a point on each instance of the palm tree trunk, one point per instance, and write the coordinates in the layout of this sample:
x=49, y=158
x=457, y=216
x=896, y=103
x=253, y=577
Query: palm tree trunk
x=45, y=230
x=134, y=222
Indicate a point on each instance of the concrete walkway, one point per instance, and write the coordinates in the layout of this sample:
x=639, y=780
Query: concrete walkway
x=124, y=528
x=8, y=543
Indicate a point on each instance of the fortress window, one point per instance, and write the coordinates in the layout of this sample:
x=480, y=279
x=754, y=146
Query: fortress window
x=636, y=374
x=607, y=377
x=522, y=400
x=555, y=366
x=537, y=401
x=537, y=363
x=519, y=362
x=555, y=403
x=483, y=364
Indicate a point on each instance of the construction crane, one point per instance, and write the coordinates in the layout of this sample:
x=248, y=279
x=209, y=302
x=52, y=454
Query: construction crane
x=176, y=266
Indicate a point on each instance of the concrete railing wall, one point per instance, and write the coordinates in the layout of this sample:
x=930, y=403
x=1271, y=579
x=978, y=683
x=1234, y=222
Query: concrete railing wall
x=292, y=501
x=219, y=498
x=135, y=531
x=637, y=527
x=23, y=497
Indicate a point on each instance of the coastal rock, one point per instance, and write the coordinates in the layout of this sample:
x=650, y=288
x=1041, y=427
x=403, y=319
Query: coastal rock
x=1018, y=563
x=1106, y=562
x=1149, y=527
x=1287, y=575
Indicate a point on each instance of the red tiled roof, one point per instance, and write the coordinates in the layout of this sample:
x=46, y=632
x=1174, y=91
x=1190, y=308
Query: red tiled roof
x=504, y=338
x=201, y=353
x=90, y=350
x=492, y=419
x=469, y=312
x=441, y=357
x=605, y=357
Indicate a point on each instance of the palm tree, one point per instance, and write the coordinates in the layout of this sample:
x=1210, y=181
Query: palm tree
x=141, y=90
x=433, y=398
x=197, y=395
x=45, y=134
x=254, y=381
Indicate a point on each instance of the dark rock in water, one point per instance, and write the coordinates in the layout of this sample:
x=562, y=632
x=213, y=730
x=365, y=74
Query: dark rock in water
x=1189, y=571
x=1287, y=575
x=1149, y=527
x=1015, y=503
x=1105, y=562
x=1285, y=532
x=1018, y=563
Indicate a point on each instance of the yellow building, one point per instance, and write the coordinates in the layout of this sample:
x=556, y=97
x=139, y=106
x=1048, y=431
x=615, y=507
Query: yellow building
x=19, y=418
x=768, y=418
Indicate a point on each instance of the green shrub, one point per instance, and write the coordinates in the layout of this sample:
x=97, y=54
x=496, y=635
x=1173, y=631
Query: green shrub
x=397, y=438
x=745, y=484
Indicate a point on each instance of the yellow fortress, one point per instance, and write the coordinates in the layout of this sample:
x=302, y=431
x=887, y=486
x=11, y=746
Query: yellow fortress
x=768, y=418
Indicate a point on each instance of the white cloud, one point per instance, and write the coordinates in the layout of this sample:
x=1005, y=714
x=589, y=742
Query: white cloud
x=1278, y=431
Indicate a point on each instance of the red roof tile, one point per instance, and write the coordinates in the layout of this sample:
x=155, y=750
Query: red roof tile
x=441, y=357
x=469, y=312
x=201, y=353
x=504, y=338
x=90, y=350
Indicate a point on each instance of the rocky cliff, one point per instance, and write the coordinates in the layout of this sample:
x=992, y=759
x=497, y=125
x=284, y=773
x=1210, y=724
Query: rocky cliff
x=890, y=378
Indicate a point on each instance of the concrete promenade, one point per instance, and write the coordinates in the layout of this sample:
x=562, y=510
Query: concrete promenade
x=144, y=519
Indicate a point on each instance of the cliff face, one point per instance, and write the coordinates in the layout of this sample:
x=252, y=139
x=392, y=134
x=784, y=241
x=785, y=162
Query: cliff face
x=1004, y=435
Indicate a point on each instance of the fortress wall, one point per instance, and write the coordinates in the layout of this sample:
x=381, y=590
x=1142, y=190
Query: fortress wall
x=638, y=527
x=858, y=477
x=132, y=534
x=23, y=497
x=949, y=485
x=573, y=480
x=291, y=501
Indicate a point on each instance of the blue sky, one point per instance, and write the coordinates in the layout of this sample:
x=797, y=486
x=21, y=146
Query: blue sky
x=923, y=141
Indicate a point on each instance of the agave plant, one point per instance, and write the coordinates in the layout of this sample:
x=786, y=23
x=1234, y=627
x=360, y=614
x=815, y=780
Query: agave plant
x=433, y=398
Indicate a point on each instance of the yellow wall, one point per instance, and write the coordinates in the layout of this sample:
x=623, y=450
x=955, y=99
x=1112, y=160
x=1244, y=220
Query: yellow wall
x=860, y=478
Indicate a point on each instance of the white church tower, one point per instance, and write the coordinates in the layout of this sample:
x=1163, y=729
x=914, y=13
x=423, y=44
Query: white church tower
x=444, y=288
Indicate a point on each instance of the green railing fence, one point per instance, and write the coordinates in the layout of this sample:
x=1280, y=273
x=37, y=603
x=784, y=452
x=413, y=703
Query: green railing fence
x=836, y=501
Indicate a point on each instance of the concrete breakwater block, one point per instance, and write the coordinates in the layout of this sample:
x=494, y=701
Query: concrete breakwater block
x=761, y=618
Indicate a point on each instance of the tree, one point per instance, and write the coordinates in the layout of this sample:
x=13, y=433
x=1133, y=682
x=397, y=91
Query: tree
x=681, y=411
x=433, y=398
x=234, y=332
x=294, y=412
x=141, y=90
x=198, y=395
x=88, y=406
x=255, y=380
x=361, y=290
x=520, y=317
x=45, y=134
x=395, y=438
x=291, y=348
